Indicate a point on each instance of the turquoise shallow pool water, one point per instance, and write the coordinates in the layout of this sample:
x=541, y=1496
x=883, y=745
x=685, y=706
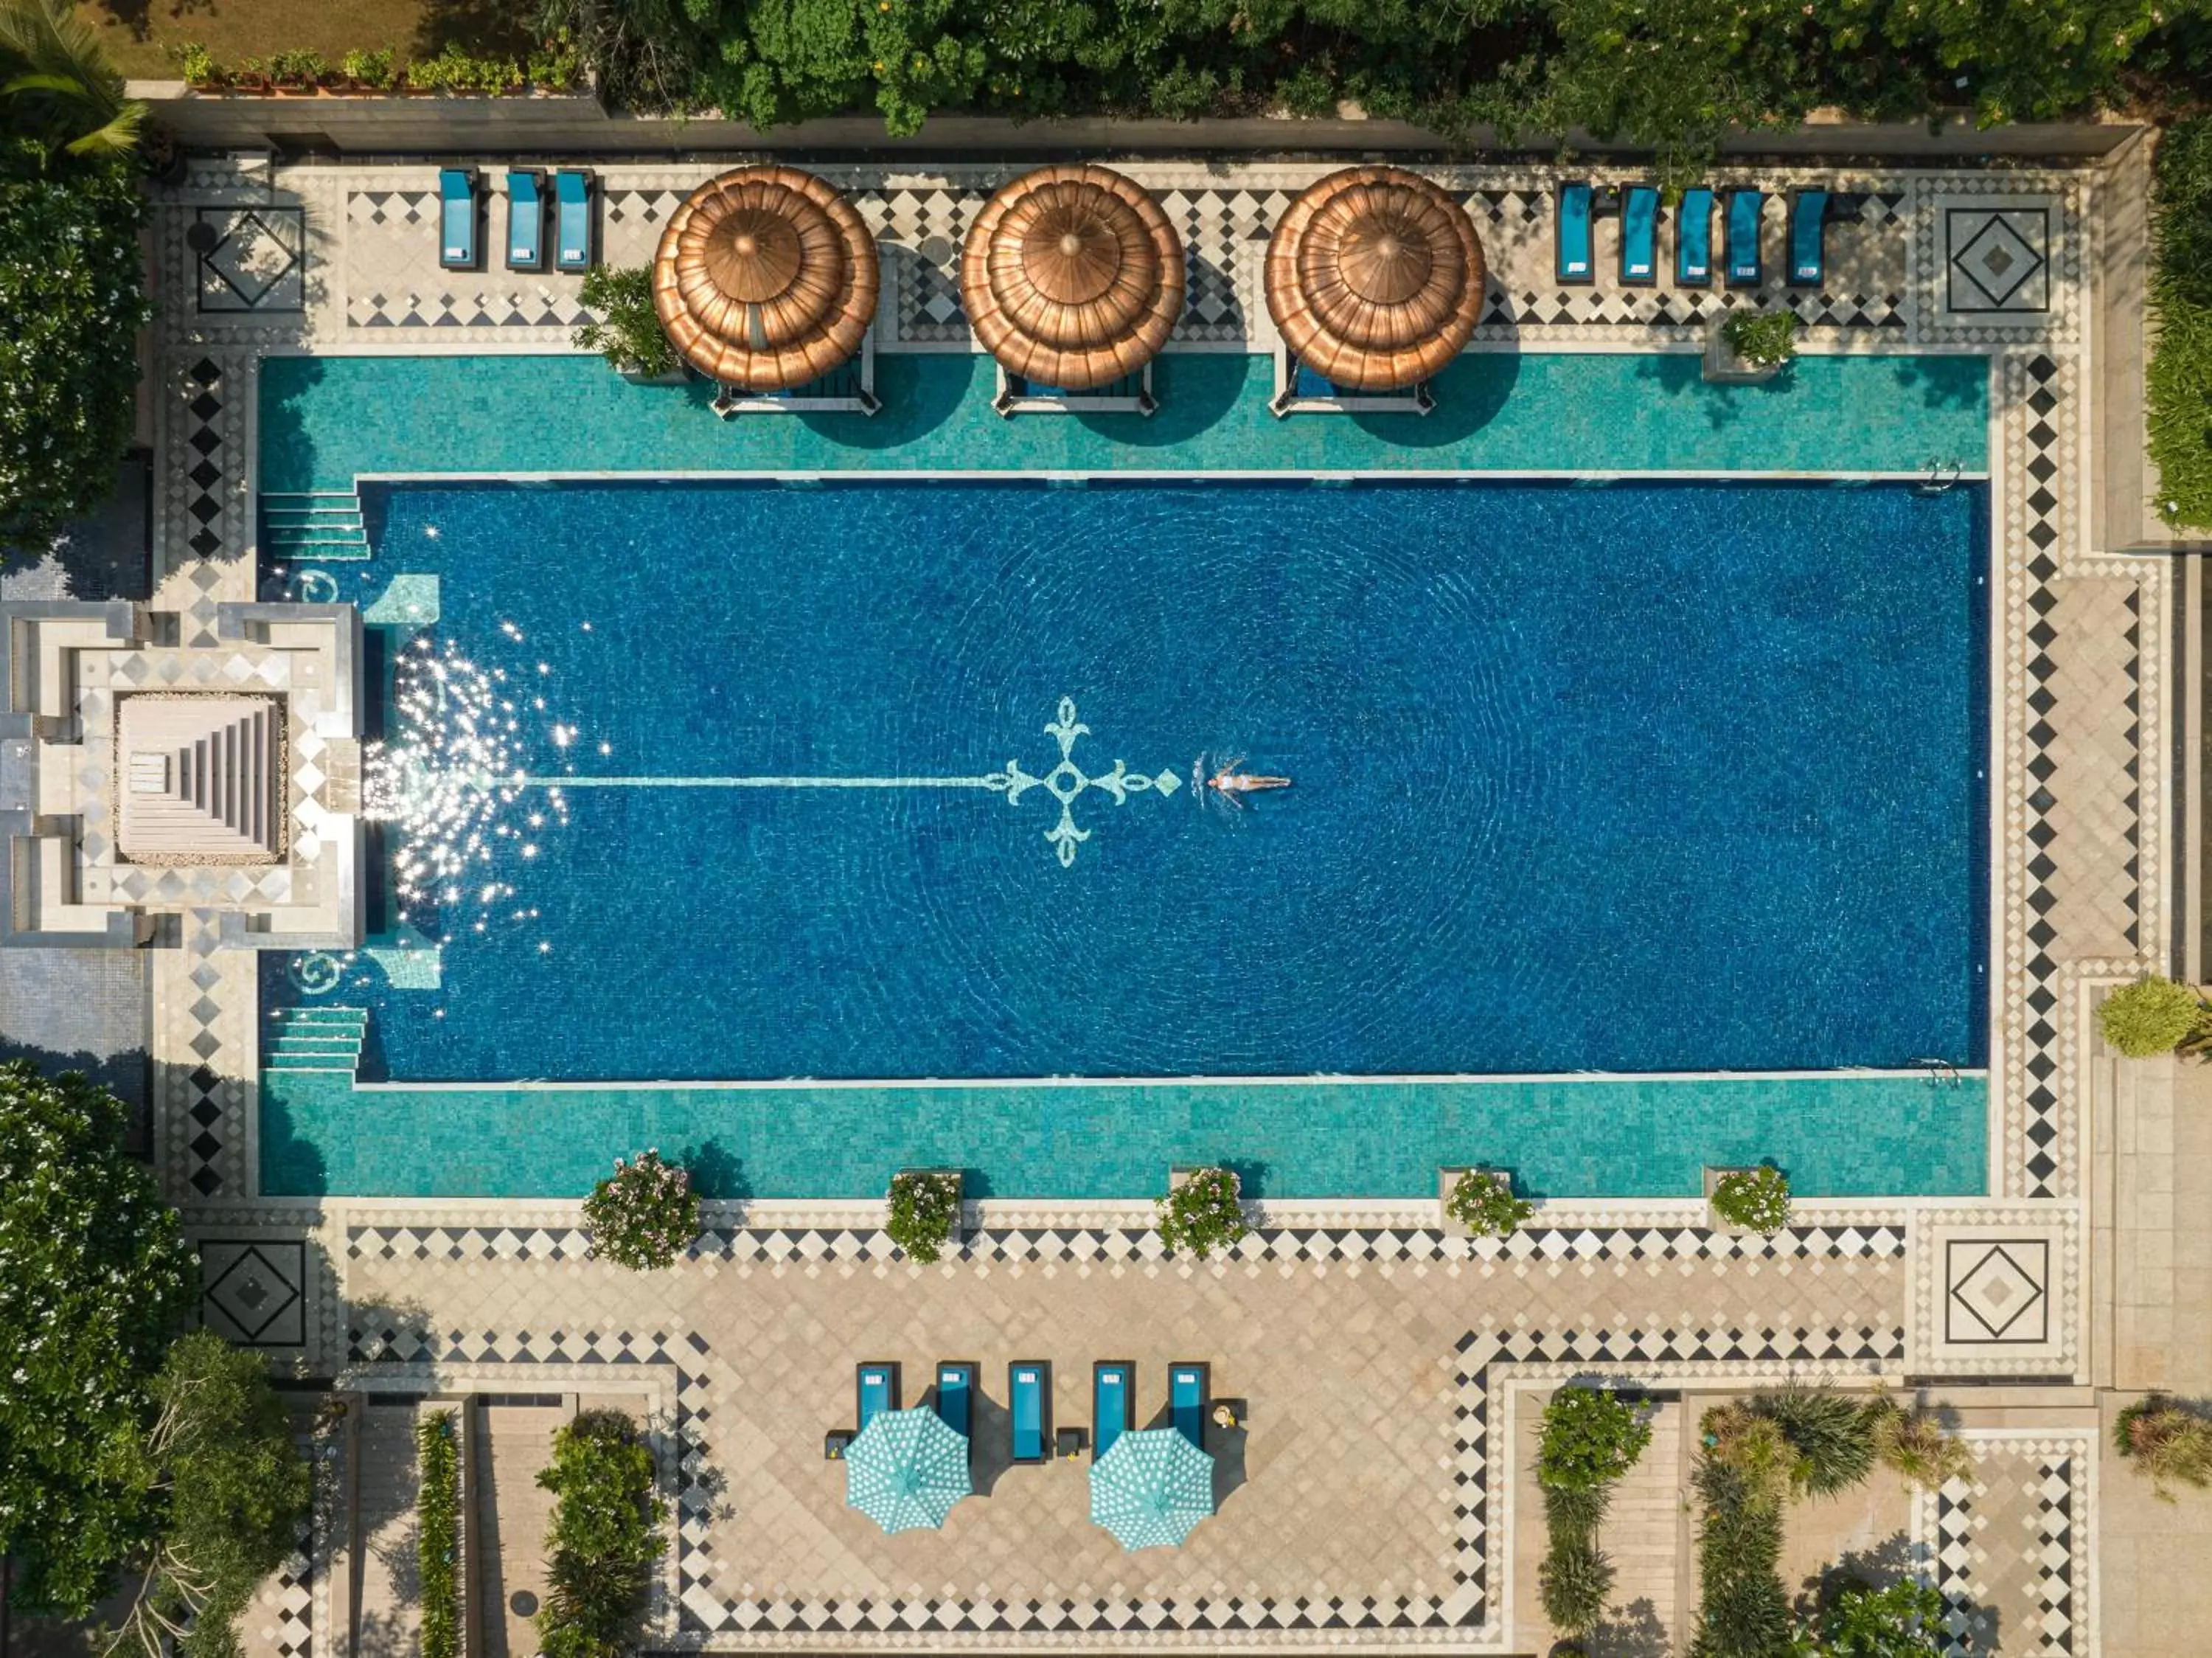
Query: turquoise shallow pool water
x=326, y=420
x=1837, y=1135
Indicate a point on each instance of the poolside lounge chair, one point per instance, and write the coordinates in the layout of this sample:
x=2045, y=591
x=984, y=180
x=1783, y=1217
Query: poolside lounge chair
x=955, y=1400
x=1639, y=236
x=1188, y=1387
x=458, y=247
x=1571, y=233
x=1694, y=237
x=525, y=220
x=1809, y=219
x=1113, y=1402
x=572, y=194
x=1029, y=1386
x=1744, y=209
x=875, y=1387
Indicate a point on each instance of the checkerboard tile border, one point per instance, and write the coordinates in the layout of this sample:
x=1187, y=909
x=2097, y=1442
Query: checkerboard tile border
x=2055, y=1472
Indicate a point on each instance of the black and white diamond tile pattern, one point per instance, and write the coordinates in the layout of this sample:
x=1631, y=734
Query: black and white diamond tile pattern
x=2038, y=384
x=705, y=1617
x=1998, y=260
x=1532, y=1246
x=203, y=532
x=2008, y=1548
x=205, y=1100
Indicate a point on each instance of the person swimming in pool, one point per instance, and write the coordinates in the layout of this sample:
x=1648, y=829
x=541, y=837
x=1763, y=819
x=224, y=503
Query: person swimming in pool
x=1231, y=782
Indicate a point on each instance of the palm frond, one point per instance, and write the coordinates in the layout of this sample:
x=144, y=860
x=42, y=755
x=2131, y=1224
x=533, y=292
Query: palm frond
x=118, y=137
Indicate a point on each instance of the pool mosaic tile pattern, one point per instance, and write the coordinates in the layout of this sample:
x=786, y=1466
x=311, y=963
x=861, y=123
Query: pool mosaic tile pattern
x=320, y=1136
x=1496, y=412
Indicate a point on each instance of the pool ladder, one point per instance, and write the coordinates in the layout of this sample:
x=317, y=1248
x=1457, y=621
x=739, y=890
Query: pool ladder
x=317, y=526
x=316, y=1039
x=1941, y=476
x=1941, y=1073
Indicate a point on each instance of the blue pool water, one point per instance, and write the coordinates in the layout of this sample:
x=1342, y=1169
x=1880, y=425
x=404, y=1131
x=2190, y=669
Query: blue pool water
x=1639, y=778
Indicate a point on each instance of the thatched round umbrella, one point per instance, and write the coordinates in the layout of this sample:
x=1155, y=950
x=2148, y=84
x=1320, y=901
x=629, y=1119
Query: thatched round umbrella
x=1374, y=279
x=766, y=278
x=1072, y=276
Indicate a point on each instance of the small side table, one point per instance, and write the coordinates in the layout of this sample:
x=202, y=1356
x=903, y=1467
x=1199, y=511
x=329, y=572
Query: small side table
x=1067, y=1444
x=833, y=1443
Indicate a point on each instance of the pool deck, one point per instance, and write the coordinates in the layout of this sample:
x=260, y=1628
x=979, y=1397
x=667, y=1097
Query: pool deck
x=1381, y=1354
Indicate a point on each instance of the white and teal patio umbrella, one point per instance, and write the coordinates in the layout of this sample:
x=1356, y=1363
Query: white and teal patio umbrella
x=906, y=1470
x=1151, y=1488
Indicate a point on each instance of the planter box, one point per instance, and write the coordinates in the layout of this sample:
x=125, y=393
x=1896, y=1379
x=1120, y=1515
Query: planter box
x=675, y=376
x=1724, y=367
x=1447, y=1178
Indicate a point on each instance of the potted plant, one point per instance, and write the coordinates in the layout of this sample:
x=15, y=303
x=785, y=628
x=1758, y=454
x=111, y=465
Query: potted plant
x=1749, y=1199
x=250, y=76
x=554, y=67
x=2153, y=1015
x=628, y=331
x=644, y=1215
x=197, y=66
x=1482, y=1200
x=1203, y=1211
x=298, y=73
x=1746, y=347
x=369, y=71
x=925, y=1211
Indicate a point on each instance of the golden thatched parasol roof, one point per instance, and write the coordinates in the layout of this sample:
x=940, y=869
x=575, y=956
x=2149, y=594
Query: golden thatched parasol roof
x=1374, y=277
x=1072, y=276
x=766, y=278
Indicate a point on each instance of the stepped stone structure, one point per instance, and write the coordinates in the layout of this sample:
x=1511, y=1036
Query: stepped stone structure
x=142, y=778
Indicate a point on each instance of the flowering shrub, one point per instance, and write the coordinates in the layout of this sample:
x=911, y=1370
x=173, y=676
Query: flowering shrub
x=644, y=1215
x=925, y=1206
x=1482, y=1201
x=1757, y=1199
x=1765, y=340
x=1204, y=1213
x=71, y=287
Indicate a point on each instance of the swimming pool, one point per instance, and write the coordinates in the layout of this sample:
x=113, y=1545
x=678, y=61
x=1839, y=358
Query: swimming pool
x=1642, y=778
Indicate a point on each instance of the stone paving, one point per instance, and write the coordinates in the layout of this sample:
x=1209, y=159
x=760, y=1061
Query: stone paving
x=1377, y=1354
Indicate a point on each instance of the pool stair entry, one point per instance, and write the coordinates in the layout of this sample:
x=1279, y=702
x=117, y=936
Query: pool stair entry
x=318, y=1038
x=324, y=525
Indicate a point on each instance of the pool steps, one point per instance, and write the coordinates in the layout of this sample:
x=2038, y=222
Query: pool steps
x=320, y=1039
x=315, y=524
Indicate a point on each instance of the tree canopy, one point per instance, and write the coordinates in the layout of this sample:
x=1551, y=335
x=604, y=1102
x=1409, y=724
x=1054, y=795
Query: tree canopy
x=94, y=1277
x=1675, y=74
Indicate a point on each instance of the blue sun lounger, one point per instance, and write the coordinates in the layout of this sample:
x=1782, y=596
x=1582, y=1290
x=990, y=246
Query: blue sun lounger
x=955, y=1400
x=1639, y=236
x=1694, y=237
x=1187, y=1390
x=876, y=1389
x=1112, y=1399
x=457, y=220
x=525, y=222
x=572, y=195
x=1744, y=208
x=1571, y=233
x=1027, y=1380
x=1809, y=219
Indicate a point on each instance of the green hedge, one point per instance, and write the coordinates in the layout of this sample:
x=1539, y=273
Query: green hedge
x=437, y=1536
x=603, y=1538
x=2180, y=382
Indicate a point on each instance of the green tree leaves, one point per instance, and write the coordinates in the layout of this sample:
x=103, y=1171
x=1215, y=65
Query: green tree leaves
x=93, y=1277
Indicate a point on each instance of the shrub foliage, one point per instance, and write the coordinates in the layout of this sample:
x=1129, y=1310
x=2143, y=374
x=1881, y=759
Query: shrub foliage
x=437, y=1531
x=2178, y=387
x=2168, y=1443
x=1591, y=1438
x=925, y=1208
x=71, y=289
x=2153, y=1016
x=1765, y=339
x=1204, y=1214
x=603, y=1538
x=95, y=1278
x=627, y=329
x=644, y=1215
x=1482, y=1200
x=1757, y=1199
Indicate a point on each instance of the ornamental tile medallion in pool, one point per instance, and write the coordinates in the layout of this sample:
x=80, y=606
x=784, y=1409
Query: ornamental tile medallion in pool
x=1680, y=775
